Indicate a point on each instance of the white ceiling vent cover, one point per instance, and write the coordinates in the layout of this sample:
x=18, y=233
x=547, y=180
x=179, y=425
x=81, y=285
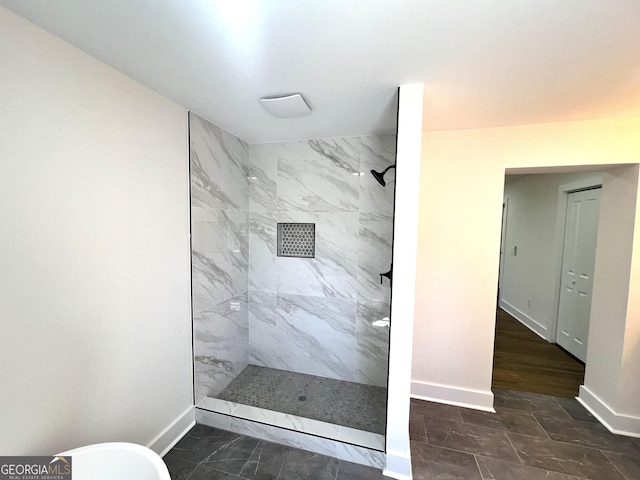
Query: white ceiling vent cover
x=287, y=106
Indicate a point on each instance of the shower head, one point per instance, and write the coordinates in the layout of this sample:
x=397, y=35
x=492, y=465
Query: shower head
x=379, y=176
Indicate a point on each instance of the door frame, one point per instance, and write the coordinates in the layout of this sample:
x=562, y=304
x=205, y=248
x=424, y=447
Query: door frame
x=558, y=249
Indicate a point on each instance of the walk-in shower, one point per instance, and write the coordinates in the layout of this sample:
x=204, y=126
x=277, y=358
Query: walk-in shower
x=288, y=244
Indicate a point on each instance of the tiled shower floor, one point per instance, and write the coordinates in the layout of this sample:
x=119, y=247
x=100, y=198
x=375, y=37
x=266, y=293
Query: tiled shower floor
x=349, y=404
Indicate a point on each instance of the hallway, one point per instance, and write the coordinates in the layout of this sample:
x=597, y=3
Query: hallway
x=524, y=361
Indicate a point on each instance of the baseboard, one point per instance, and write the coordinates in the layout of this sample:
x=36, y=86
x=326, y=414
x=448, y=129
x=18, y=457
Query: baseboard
x=616, y=422
x=174, y=432
x=526, y=320
x=398, y=465
x=461, y=397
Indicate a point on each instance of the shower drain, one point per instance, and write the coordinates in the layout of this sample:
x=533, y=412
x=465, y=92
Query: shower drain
x=302, y=398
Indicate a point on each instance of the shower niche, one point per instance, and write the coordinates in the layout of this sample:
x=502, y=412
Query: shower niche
x=288, y=243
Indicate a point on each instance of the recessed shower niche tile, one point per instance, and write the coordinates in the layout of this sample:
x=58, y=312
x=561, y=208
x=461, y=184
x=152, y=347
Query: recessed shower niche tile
x=333, y=271
x=219, y=167
x=319, y=175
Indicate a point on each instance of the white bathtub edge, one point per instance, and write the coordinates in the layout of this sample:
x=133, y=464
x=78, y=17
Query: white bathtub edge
x=174, y=432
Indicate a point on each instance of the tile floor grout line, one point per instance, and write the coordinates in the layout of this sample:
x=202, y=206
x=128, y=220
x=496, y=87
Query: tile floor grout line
x=475, y=457
x=616, y=467
x=515, y=449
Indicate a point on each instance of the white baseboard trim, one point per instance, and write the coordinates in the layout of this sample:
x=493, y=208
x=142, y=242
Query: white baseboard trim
x=174, y=432
x=616, y=422
x=398, y=465
x=526, y=320
x=461, y=397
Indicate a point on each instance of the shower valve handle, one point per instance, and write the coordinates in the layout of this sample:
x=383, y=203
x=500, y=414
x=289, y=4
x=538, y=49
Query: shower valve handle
x=385, y=274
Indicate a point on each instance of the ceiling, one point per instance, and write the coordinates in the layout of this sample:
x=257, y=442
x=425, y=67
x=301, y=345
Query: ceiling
x=484, y=62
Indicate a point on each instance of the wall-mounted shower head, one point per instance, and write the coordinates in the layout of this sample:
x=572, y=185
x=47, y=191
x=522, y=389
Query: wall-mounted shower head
x=379, y=176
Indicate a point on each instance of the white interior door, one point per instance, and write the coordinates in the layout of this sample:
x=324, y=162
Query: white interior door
x=578, y=260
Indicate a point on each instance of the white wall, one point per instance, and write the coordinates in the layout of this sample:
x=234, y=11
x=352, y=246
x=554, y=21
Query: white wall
x=95, y=340
x=462, y=179
x=531, y=226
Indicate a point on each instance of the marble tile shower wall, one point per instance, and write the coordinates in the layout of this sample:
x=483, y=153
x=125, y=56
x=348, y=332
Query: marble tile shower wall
x=220, y=255
x=314, y=315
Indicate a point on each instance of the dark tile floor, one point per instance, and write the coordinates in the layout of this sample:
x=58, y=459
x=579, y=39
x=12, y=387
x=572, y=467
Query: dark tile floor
x=531, y=437
x=349, y=404
x=207, y=453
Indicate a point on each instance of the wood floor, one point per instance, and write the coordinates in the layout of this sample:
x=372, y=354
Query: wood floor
x=524, y=361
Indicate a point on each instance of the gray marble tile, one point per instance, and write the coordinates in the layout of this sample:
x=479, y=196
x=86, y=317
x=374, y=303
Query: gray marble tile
x=263, y=177
x=435, y=410
x=470, y=439
x=529, y=402
x=378, y=152
x=353, y=471
x=220, y=256
x=204, y=473
x=562, y=476
x=319, y=175
x=319, y=334
x=374, y=257
x=417, y=428
x=221, y=341
x=200, y=442
x=263, y=274
x=219, y=167
x=629, y=465
x=430, y=462
x=333, y=271
x=492, y=469
x=587, y=434
x=372, y=345
x=575, y=410
x=504, y=419
x=179, y=469
x=564, y=458
x=232, y=456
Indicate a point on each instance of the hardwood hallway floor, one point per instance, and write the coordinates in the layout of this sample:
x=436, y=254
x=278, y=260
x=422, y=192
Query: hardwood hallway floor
x=524, y=361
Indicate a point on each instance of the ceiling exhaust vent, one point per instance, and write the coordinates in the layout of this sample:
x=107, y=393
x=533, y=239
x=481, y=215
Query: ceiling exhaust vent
x=287, y=106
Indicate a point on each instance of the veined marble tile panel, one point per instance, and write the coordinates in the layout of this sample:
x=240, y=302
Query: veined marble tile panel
x=333, y=271
x=374, y=257
x=221, y=345
x=263, y=177
x=378, y=152
x=219, y=167
x=319, y=175
x=372, y=345
x=293, y=422
x=304, y=441
x=319, y=334
x=264, y=346
x=263, y=234
x=220, y=256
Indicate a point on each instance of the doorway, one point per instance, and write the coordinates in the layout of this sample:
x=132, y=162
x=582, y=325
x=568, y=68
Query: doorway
x=526, y=354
